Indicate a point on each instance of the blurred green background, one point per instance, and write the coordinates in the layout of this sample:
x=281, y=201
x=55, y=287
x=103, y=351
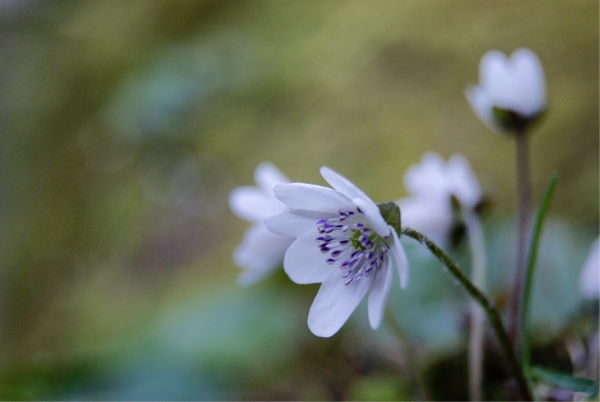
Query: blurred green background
x=125, y=124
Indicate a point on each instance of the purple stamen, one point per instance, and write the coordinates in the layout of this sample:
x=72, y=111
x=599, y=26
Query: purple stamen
x=334, y=239
x=355, y=253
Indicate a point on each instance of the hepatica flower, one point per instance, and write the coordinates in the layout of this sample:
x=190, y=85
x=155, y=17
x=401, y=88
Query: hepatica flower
x=431, y=184
x=261, y=251
x=511, y=91
x=343, y=242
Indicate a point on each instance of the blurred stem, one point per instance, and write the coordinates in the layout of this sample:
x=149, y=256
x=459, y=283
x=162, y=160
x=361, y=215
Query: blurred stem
x=539, y=222
x=477, y=315
x=490, y=309
x=412, y=366
x=524, y=207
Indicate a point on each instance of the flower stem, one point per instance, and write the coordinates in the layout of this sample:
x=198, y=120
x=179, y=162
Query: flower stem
x=477, y=315
x=489, y=308
x=524, y=208
x=412, y=366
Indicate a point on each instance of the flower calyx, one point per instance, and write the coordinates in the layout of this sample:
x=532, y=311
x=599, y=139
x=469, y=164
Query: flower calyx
x=390, y=211
x=513, y=122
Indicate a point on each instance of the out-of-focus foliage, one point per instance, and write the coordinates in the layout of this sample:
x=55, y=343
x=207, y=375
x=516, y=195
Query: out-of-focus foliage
x=125, y=124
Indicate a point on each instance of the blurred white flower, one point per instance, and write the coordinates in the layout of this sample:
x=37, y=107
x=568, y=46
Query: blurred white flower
x=261, y=251
x=511, y=92
x=589, y=279
x=343, y=242
x=431, y=185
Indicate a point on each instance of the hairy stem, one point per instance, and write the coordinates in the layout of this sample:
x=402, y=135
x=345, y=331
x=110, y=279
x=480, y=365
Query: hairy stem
x=490, y=309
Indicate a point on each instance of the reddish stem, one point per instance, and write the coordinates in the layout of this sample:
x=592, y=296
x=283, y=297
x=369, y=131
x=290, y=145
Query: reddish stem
x=524, y=211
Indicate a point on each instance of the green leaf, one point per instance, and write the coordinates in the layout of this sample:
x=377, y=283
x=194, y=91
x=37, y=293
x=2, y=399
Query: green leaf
x=565, y=381
x=533, y=247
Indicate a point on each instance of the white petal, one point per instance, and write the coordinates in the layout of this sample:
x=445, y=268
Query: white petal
x=295, y=223
x=334, y=304
x=589, y=279
x=304, y=263
x=343, y=185
x=400, y=260
x=482, y=105
x=378, y=295
x=268, y=176
x=311, y=197
x=260, y=252
x=515, y=84
x=346, y=187
x=427, y=178
x=374, y=215
x=529, y=76
x=462, y=181
x=430, y=216
x=497, y=79
x=251, y=204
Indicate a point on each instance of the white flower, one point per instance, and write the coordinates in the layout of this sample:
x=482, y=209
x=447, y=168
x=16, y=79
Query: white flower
x=516, y=86
x=589, y=279
x=431, y=184
x=343, y=242
x=261, y=251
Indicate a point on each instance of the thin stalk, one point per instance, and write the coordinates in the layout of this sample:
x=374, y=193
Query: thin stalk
x=490, y=309
x=477, y=315
x=524, y=208
x=539, y=222
x=412, y=366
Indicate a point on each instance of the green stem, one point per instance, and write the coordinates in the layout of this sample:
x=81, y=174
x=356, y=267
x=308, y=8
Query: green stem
x=539, y=222
x=489, y=308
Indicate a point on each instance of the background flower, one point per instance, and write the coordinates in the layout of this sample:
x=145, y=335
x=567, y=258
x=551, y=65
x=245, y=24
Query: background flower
x=342, y=242
x=431, y=184
x=261, y=251
x=515, y=85
x=108, y=294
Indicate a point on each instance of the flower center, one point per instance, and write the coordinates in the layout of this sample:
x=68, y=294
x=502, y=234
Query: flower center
x=350, y=241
